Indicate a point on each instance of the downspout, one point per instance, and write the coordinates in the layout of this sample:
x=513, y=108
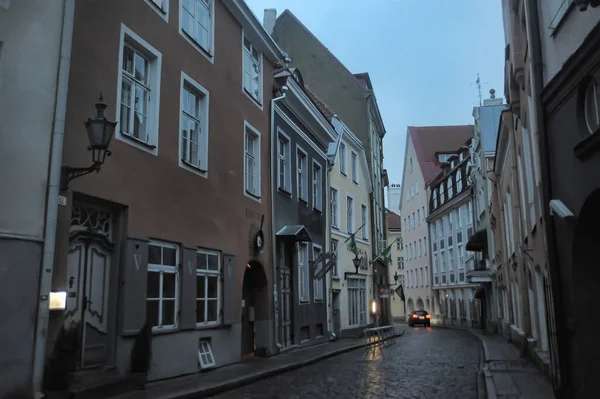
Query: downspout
x=58, y=130
x=543, y=146
x=284, y=89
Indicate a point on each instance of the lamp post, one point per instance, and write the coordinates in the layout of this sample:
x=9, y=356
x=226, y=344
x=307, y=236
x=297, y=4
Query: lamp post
x=396, y=277
x=100, y=131
x=356, y=261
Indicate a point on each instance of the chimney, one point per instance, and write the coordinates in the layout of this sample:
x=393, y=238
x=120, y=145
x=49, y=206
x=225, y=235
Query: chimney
x=269, y=19
x=493, y=100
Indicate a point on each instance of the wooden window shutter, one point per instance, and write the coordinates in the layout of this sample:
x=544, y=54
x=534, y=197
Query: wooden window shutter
x=187, y=275
x=133, y=286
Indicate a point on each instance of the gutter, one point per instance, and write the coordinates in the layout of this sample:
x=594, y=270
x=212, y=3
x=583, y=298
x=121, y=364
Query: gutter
x=58, y=132
x=284, y=89
x=546, y=183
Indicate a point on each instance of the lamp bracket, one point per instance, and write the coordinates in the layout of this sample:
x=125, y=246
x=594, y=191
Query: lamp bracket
x=68, y=173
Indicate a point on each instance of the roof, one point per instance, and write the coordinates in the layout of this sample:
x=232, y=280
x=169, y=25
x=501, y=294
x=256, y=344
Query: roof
x=394, y=221
x=429, y=140
x=325, y=110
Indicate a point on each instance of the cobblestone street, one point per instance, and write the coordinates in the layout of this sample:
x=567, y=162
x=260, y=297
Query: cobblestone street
x=424, y=363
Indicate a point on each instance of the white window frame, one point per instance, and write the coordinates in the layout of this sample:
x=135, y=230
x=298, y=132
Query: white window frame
x=214, y=274
x=450, y=188
x=163, y=11
x=364, y=215
x=360, y=295
x=459, y=182
x=206, y=359
x=208, y=53
x=189, y=84
x=154, y=58
x=335, y=213
x=350, y=214
x=302, y=193
x=156, y=268
x=335, y=273
x=435, y=198
x=247, y=56
x=253, y=192
x=342, y=150
x=354, y=166
x=317, y=186
x=303, y=274
x=287, y=186
x=318, y=291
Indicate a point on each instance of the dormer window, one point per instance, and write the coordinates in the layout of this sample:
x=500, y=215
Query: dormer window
x=459, y=183
x=450, y=188
x=461, y=157
x=442, y=192
x=452, y=165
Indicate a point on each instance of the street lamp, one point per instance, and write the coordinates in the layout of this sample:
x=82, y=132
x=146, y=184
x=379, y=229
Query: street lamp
x=100, y=131
x=396, y=277
x=356, y=261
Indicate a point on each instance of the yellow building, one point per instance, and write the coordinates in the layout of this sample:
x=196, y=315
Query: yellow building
x=396, y=268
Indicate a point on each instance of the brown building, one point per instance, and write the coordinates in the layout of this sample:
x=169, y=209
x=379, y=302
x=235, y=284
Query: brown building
x=166, y=233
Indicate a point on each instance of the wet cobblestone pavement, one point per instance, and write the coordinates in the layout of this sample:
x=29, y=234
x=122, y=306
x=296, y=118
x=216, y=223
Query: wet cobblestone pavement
x=424, y=363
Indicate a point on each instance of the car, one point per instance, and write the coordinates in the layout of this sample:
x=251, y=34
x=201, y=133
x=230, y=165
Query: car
x=419, y=317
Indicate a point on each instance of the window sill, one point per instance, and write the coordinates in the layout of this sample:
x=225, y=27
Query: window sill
x=343, y=173
x=255, y=100
x=588, y=146
x=303, y=200
x=355, y=182
x=284, y=191
x=200, y=48
x=253, y=196
x=160, y=11
x=126, y=136
x=209, y=326
x=304, y=302
x=164, y=330
x=317, y=210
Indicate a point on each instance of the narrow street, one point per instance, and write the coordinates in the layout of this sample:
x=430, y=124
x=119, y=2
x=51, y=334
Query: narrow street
x=424, y=363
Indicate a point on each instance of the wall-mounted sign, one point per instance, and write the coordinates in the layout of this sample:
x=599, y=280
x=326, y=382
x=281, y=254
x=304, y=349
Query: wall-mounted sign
x=384, y=291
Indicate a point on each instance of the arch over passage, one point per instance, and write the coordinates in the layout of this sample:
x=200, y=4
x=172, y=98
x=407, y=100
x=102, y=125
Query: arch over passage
x=410, y=305
x=583, y=343
x=420, y=305
x=255, y=310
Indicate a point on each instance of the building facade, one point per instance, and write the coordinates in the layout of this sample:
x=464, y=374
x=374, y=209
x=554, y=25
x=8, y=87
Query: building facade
x=169, y=238
x=300, y=138
x=34, y=80
x=427, y=148
x=450, y=222
x=352, y=98
x=349, y=214
x=394, y=197
x=564, y=38
x=481, y=244
x=396, y=269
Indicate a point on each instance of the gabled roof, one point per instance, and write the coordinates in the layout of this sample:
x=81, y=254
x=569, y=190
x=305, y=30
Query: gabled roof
x=429, y=140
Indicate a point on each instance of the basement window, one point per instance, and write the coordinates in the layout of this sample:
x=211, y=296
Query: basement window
x=205, y=355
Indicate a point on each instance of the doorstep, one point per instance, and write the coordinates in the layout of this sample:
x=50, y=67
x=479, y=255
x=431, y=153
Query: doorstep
x=212, y=382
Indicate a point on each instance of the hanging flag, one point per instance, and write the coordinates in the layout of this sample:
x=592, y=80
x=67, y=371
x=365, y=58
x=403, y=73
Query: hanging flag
x=352, y=243
x=386, y=254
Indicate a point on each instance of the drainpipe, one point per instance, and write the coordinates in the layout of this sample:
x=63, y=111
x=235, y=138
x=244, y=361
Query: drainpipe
x=546, y=183
x=284, y=89
x=58, y=129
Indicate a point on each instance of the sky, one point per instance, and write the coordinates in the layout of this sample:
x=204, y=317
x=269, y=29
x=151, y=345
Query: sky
x=423, y=56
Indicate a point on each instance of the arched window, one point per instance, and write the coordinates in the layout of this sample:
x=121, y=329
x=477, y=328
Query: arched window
x=459, y=183
x=592, y=106
x=442, y=191
x=450, y=188
x=435, y=198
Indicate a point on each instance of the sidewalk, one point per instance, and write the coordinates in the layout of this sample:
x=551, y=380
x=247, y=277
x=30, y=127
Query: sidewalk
x=507, y=374
x=246, y=372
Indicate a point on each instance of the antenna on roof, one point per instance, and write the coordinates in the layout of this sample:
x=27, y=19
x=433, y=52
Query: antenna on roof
x=478, y=83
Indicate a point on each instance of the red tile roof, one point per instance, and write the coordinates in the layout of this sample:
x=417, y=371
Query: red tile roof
x=429, y=140
x=325, y=110
x=394, y=221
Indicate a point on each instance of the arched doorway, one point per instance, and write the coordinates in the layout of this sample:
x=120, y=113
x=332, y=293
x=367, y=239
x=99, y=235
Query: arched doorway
x=255, y=310
x=410, y=305
x=420, y=305
x=584, y=348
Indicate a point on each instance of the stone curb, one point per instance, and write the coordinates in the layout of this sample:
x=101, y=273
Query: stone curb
x=251, y=378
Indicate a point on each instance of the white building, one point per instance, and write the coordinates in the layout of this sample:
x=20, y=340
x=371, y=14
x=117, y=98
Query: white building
x=33, y=87
x=394, y=197
x=351, y=290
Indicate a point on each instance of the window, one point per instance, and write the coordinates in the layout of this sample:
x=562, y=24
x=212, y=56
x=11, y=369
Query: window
x=208, y=289
x=450, y=188
x=196, y=23
x=138, y=92
x=252, y=160
x=161, y=7
x=357, y=301
x=418, y=217
x=350, y=214
x=408, y=226
x=444, y=157
x=334, y=207
x=283, y=166
x=302, y=174
x=470, y=215
x=317, y=186
x=303, y=272
x=193, y=140
x=410, y=168
x=417, y=187
x=420, y=248
x=459, y=184
x=335, y=272
x=354, y=159
x=398, y=244
x=442, y=188
x=318, y=283
x=163, y=285
x=423, y=212
x=252, y=79
x=343, y=158
x=365, y=229
x=205, y=355
x=414, y=220
x=424, y=245
x=529, y=160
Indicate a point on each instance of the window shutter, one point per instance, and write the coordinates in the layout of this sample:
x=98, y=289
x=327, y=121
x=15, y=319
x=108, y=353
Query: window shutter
x=133, y=286
x=188, y=289
x=230, y=298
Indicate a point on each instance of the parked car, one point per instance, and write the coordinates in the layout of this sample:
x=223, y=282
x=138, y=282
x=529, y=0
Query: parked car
x=419, y=317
